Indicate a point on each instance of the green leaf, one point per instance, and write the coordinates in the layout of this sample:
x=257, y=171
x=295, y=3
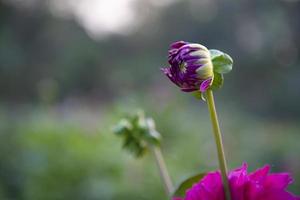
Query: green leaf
x=221, y=61
x=218, y=81
x=188, y=183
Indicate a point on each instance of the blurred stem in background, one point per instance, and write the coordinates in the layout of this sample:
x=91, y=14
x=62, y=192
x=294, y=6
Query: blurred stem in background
x=218, y=140
x=140, y=135
x=164, y=174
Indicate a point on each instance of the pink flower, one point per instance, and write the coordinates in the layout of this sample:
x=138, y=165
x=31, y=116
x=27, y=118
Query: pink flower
x=258, y=185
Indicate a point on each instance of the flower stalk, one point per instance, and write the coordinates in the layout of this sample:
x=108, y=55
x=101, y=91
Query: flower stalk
x=164, y=174
x=140, y=136
x=218, y=140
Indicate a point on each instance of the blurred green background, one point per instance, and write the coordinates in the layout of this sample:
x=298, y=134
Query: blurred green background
x=70, y=69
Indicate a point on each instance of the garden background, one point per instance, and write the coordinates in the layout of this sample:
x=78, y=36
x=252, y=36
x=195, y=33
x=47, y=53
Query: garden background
x=70, y=69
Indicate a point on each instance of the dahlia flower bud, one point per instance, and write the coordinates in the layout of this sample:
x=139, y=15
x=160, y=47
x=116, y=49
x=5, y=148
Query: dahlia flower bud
x=192, y=66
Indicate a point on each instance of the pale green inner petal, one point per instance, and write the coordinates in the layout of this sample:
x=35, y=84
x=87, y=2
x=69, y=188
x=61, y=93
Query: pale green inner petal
x=182, y=67
x=205, y=71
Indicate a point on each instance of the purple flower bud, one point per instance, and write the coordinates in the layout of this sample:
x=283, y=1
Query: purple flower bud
x=190, y=67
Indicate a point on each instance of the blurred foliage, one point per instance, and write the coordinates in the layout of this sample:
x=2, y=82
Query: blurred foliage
x=57, y=154
x=138, y=133
x=60, y=91
x=261, y=36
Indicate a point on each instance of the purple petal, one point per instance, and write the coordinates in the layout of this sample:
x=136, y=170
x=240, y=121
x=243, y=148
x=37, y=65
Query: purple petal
x=205, y=85
x=178, y=44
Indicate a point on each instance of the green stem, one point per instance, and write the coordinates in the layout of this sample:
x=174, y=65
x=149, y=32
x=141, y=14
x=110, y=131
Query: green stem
x=218, y=140
x=163, y=170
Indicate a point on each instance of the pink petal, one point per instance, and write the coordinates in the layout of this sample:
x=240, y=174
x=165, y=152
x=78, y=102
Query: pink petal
x=260, y=174
x=237, y=180
x=278, y=181
x=277, y=195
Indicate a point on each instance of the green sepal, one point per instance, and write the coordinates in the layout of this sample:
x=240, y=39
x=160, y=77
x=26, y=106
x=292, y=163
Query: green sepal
x=199, y=95
x=218, y=81
x=222, y=62
x=186, y=184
